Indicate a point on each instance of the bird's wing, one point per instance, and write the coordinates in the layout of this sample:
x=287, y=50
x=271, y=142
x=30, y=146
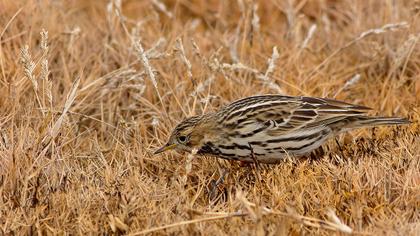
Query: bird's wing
x=279, y=115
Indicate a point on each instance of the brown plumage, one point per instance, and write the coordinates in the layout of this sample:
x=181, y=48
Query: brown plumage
x=269, y=127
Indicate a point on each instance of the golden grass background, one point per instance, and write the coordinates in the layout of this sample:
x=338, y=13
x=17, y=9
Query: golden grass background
x=85, y=104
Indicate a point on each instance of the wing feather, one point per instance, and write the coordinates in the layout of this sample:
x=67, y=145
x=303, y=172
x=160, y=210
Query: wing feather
x=280, y=115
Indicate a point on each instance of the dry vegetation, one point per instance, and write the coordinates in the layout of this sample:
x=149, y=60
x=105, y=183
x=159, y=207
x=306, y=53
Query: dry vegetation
x=100, y=85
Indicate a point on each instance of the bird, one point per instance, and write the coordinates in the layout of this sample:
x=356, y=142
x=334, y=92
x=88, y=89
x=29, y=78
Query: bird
x=269, y=128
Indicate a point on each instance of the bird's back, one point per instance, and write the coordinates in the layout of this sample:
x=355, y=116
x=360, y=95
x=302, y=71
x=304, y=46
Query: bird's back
x=268, y=127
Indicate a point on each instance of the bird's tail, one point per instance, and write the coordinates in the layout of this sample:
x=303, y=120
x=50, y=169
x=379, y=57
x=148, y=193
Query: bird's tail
x=355, y=122
x=366, y=121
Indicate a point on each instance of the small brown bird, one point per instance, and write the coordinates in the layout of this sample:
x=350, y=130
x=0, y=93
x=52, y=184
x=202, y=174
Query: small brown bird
x=267, y=128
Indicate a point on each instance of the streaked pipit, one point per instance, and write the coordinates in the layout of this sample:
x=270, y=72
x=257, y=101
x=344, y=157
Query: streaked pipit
x=269, y=127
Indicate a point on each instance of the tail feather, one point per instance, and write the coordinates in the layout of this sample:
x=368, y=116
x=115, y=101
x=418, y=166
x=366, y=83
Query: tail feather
x=355, y=122
x=366, y=121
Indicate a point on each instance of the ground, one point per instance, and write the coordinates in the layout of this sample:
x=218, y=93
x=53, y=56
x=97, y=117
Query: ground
x=100, y=85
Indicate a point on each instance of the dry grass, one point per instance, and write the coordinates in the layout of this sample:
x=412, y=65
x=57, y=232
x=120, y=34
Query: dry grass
x=84, y=104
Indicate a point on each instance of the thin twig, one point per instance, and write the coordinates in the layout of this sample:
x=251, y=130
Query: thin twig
x=383, y=29
x=187, y=222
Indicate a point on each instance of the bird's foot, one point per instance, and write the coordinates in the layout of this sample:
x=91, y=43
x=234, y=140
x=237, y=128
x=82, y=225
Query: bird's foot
x=214, y=185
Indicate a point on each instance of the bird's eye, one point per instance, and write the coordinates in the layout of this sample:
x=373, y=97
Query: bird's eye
x=182, y=139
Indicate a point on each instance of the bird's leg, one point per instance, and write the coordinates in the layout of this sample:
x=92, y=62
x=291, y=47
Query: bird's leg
x=215, y=184
x=319, y=152
x=339, y=147
x=257, y=166
x=253, y=156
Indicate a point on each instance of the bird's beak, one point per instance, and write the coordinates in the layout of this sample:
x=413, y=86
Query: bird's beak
x=165, y=148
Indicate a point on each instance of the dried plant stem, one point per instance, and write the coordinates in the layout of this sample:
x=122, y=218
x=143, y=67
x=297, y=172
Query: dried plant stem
x=349, y=83
x=141, y=54
x=188, y=165
x=39, y=102
x=187, y=222
x=383, y=29
x=46, y=82
x=162, y=7
x=1, y=38
x=337, y=225
x=304, y=220
x=180, y=48
x=55, y=129
x=99, y=171
x=29, y=67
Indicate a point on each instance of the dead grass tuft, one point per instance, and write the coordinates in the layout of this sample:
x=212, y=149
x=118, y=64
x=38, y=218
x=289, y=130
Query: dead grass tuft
x=88, y=89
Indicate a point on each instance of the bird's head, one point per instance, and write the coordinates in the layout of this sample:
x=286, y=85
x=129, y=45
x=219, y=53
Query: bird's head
x=189, y=134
